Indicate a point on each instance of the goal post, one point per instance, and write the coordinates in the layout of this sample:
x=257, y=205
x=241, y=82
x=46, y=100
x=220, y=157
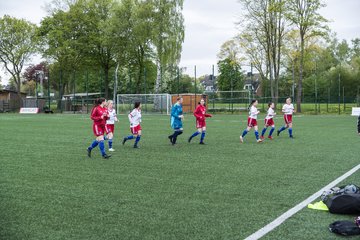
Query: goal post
x=151, y=103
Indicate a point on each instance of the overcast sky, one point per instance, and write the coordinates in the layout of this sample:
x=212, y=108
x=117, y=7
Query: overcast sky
x=208, y=24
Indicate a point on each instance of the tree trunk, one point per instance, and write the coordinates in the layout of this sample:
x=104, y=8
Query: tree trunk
x=106, y=80
x=299, y=87
x=158, y=76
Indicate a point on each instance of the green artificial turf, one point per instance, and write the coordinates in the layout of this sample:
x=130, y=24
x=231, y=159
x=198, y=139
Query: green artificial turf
x=50, y=189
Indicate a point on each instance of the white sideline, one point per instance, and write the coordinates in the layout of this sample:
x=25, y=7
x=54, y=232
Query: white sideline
x=282, y=218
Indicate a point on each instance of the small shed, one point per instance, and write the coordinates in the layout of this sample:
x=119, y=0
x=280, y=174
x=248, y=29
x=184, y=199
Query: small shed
x=10, y=95
x=190, y=101
x=9, y=100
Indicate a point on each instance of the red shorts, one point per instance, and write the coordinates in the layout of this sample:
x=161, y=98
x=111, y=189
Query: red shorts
x=252, y=122
x=288, y=118
x=98, y=130
x=109, y=128
x=135, y=130
x=269, y=122
x=200, y=123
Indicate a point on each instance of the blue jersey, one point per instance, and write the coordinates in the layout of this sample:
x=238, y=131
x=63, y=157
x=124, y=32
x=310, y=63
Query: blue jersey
x=175, y=120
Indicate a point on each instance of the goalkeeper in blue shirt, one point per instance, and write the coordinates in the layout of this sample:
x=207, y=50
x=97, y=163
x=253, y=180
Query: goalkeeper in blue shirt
x=176, y=120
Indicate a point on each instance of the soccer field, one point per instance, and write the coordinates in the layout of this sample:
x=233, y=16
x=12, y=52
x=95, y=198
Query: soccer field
x=50, y=189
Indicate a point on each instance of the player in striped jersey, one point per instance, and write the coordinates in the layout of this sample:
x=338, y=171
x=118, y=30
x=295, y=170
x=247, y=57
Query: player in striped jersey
x=110, y=124
x=135, y=127
x=269, y=121
x=288, y=110
x=252, y=121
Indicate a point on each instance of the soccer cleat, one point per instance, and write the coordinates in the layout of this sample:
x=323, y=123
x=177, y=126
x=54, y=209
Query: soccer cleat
x=124, y=140
x=201, y=143
x=278, y=132
x=262, y=137
x=291, y=136
x=136, y=146
x=170, y=138
x=189, y=140
x=89, y=152
x=259, y=141
x=111, y=150
x=241, y=139
x=270, y=137
x=106, y=156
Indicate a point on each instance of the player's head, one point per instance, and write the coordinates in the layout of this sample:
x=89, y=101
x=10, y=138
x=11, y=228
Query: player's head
x=271, y=105
x=137, y=105
x=179, y=99
x=110, y=104
x=100, y=102
x=202, y=102
x=254, y=103
x=288, y=100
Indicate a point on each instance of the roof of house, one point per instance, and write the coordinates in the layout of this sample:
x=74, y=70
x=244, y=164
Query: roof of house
x=10, y=91
x=81, y=94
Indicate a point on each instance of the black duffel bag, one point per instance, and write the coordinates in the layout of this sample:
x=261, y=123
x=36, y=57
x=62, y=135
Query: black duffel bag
x=344, y=203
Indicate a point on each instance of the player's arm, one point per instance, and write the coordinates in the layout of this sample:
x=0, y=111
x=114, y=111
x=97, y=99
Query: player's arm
x=131, y=116
x=208, y=115
x=175, y=113
x=197, y=112
x=254, y=111
x=95, y=115
x=106, y=115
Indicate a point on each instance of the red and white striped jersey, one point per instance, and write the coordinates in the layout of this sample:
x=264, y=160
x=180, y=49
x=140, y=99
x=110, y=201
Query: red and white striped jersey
x=288, y=109
x=270, y=113
x=253, y=112
x=112, y=116
x=135, y=117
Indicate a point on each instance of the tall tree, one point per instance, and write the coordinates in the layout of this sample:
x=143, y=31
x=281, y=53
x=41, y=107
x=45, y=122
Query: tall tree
x=79, y=35
x=168, y=35
x=304, y=14
x=264, y=32
x=18, y=42
x=230, y=76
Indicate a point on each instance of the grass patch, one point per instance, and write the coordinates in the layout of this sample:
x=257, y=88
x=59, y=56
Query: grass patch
x=49, y=189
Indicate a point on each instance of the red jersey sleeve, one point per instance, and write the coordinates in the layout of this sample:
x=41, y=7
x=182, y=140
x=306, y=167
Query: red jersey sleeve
x=95, y=114
x=198, y=112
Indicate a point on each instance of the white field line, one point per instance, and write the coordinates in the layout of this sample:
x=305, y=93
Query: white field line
x=282, y=218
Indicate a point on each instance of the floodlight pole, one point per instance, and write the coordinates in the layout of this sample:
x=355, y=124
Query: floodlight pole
x=116, y=82
x=178, y=80
x=74, y=90
x=339, y=95
x=87, y=91
x=213, y=80
x=60, y=87
x=145, y=89
x=195, y=85
x=36, y=90
x=49, y=88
